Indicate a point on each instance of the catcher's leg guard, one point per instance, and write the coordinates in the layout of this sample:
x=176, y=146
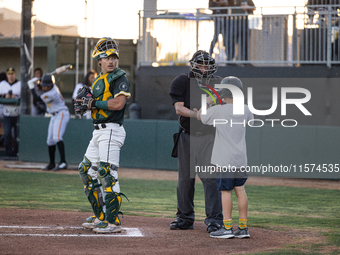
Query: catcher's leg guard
x=92, y=189
x=113, y=199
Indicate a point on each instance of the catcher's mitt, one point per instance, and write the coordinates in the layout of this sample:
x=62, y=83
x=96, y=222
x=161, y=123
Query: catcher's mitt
x=85, y=94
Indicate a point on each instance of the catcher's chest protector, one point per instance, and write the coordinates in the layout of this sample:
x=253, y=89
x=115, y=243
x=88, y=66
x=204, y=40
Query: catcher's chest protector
x=101, y=91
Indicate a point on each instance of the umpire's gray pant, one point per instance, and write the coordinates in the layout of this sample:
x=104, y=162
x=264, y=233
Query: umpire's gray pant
x=200, y=156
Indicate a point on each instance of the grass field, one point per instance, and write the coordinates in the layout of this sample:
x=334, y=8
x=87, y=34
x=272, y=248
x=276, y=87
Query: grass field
x=279, y=208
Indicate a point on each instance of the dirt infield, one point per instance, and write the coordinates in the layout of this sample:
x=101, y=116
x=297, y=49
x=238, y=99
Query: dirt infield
x=56, y=232
x=25, y=231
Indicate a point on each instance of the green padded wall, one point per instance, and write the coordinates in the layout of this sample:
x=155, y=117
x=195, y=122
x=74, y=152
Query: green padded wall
x=148, y=143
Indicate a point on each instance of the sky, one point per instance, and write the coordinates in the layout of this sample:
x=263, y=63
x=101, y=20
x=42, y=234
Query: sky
x=113, y=18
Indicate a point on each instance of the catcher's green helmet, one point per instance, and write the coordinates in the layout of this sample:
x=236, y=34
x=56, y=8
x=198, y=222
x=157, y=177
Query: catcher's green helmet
x=105, y=47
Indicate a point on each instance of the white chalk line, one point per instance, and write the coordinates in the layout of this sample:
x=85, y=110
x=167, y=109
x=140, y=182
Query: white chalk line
x=130, y=232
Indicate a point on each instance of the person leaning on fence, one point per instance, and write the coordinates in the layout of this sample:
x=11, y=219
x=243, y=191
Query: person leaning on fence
x=230, y=154
x=10, y=90
x=321, y=7
x=2, y=78
x=238, y=30
x=219, y=21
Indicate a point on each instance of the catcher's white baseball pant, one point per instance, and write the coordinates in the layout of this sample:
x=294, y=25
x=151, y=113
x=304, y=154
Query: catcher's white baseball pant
x=105, y=147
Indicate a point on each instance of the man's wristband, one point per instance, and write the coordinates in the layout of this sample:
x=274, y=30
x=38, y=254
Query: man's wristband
x=100, y=104
x=93, y=104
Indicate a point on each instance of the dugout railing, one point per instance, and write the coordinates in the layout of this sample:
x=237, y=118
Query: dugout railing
x=271, y=36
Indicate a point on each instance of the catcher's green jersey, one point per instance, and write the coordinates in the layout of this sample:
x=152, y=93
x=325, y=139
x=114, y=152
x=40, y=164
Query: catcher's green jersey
x=105, y=87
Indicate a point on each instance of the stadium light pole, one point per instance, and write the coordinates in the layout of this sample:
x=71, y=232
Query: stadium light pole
x=26, y=55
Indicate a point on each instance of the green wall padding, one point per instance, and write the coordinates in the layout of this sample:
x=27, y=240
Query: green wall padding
x=148, y=144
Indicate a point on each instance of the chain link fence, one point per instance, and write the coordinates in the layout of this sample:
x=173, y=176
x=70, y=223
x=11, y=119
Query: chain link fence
x=271, y=36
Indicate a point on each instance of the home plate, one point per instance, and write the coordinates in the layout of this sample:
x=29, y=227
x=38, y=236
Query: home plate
x=126, y=232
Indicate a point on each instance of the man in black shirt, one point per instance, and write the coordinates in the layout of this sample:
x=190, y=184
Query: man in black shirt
x=194, y=144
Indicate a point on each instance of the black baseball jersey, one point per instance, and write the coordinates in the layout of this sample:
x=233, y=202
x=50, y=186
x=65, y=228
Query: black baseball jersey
x=184, y=88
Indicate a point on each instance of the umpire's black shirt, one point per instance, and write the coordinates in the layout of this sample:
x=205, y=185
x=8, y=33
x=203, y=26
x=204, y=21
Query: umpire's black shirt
x=182, y=91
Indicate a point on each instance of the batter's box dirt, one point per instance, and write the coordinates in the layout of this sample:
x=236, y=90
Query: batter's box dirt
x=58, y=232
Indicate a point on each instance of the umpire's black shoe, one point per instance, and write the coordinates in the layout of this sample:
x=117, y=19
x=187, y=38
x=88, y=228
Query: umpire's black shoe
x=62, y=165
x=179, y=224
x=49, y=167
x=213, y=226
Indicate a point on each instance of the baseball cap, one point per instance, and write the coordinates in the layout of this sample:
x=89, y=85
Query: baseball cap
x=10, y=70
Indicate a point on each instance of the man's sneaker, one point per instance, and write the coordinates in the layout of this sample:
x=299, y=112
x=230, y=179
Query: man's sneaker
x=104, y=227
x=179, y=224
x=222, y=233
x=62, y=165
x=242, y=233
x=91, y=222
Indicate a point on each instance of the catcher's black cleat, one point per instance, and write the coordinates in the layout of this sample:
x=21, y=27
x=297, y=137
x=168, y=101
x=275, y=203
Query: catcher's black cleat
x=213, y=226
x=179, y=224
x=49, y=167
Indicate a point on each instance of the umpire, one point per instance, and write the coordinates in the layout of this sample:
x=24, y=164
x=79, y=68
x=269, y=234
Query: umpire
x=195, y=144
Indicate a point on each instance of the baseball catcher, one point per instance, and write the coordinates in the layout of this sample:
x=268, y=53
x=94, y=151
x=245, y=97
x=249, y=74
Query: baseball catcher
x=111, y=90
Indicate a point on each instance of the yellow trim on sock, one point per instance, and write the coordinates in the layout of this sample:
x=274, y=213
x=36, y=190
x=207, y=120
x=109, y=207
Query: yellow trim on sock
x=242, y=223
x=227, y=224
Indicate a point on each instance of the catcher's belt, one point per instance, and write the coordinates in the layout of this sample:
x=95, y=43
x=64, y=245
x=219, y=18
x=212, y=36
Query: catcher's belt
x=105, y=125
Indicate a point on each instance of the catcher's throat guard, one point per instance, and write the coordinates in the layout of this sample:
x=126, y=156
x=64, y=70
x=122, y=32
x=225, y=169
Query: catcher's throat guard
x=92, y=189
